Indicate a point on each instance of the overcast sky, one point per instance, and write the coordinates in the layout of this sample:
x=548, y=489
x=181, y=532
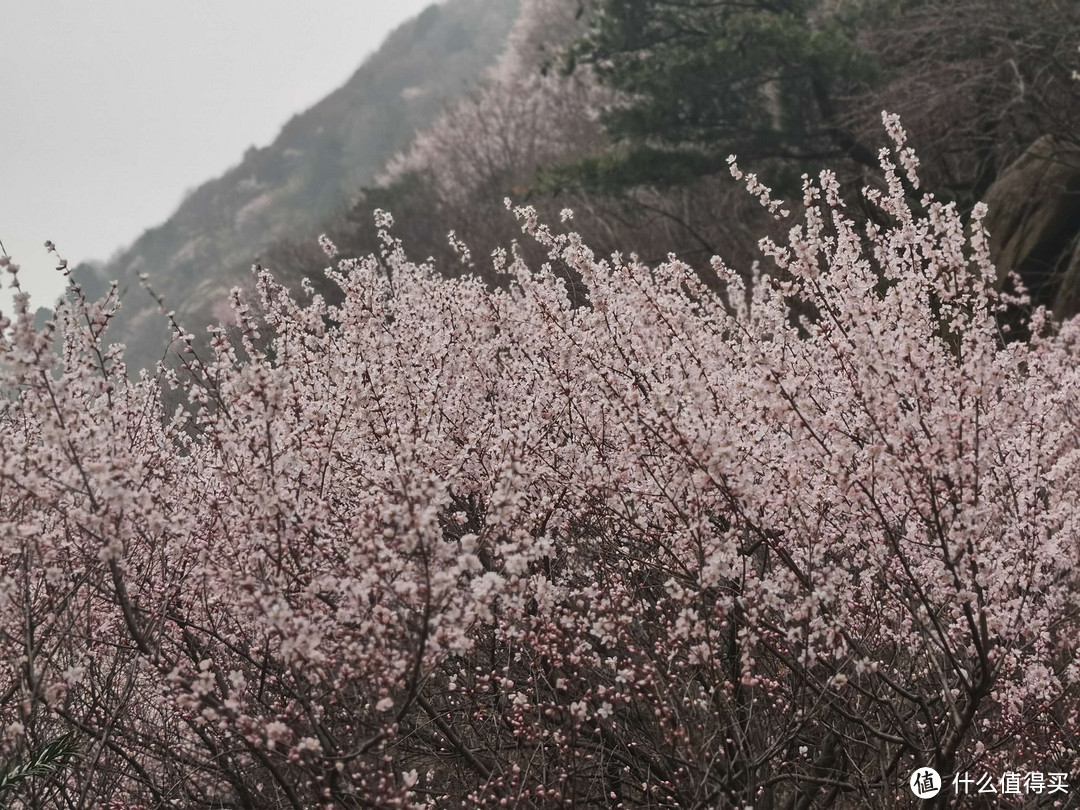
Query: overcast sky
x=110, y=110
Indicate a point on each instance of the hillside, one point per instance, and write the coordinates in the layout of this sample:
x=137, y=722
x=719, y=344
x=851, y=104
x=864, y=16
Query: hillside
x=318, y=161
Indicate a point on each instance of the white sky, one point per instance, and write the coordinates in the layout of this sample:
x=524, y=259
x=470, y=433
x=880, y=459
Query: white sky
x=110, y=110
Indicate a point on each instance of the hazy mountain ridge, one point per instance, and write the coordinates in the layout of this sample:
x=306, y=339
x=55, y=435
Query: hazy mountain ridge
x=318, y=161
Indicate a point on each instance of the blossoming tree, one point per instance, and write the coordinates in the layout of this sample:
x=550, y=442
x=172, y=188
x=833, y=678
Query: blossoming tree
x=444, y=545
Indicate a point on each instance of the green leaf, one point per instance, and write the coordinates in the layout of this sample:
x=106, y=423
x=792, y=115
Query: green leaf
x=44, y=761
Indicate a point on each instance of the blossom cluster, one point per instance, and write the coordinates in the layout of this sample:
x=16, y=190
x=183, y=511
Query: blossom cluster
x=450, y=545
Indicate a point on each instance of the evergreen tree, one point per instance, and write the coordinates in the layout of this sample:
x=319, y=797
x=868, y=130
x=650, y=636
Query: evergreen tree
x=703, y=78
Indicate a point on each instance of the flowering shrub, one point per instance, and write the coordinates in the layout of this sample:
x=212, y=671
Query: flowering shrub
x=503, y=135
x=447, y=546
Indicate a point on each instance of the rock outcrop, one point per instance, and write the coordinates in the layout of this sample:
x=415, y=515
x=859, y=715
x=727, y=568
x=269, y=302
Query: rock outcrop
x=1034, y=223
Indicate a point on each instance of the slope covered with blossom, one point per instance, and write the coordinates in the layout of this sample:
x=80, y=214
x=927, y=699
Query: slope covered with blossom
x=445, y=545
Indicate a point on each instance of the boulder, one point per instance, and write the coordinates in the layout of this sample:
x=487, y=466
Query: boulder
x=1034, y=223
